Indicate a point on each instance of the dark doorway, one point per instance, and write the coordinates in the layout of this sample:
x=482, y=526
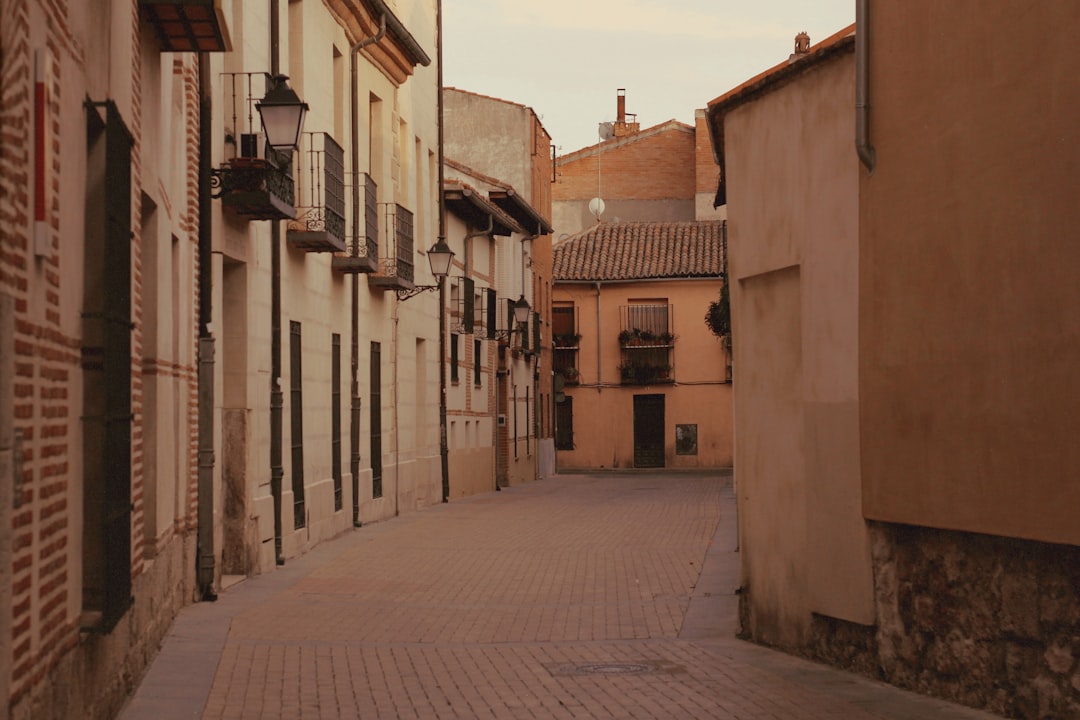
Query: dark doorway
x=649, y=431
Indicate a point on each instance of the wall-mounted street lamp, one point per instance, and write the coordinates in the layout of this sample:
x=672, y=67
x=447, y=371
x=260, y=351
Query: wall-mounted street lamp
x=259, y=188
x=440, y=257
x=522, y=310
x=282, y=113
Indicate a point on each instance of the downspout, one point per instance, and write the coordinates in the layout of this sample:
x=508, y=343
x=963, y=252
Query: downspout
x=444, y=449
x=599, y=344
x=866, y=151
x=354, y=386
x=205, y=569
x=276, y=400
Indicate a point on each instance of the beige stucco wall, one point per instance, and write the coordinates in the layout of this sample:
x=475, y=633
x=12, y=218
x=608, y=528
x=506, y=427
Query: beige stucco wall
x=969, y=336
x=793, y=259
x=315, y=56
x=603, y=407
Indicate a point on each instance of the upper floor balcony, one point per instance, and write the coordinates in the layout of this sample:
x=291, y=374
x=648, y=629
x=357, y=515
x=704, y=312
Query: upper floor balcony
x=320, y=214
x=396, y=269
x=361, y=254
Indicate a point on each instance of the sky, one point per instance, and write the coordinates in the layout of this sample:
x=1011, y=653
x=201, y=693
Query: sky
x=567, y=58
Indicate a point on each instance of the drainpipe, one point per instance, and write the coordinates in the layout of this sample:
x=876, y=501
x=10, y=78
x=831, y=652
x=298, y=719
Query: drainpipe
x=277, y=402
x=205, y=568
x=599, y=344
x=866, y=151
x=354, y=391
x=444, y=449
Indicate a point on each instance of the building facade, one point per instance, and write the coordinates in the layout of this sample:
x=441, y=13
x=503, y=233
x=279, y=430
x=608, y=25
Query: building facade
x=664, y=173
x=925, y=486
x=210, y=359
x=99, y=275
x=502, y=149
x=643, y=382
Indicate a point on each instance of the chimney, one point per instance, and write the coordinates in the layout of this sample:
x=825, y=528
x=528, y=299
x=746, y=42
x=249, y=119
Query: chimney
x=622, y=127
x=802, y=46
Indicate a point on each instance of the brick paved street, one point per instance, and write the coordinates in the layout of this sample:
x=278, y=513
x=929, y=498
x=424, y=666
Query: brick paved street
x=581, y=596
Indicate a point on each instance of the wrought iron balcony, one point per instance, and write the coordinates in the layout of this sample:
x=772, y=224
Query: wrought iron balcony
x=396, y=272
x=254, y=188
x=362, y=253
x=320, y=222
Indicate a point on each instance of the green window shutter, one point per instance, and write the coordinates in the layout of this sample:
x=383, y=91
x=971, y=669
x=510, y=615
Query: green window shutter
x=536, y=331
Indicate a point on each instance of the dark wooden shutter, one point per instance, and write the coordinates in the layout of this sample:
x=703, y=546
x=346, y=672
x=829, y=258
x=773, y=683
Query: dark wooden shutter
x=468, y=310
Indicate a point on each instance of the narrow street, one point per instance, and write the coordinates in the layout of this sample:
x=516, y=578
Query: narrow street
x=581, y=596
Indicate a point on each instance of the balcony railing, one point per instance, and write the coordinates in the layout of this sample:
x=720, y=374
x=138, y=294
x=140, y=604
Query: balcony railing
x=320, y=222
x=252, y=182
x=362, y=253
x=255, y=188
x=396, y=270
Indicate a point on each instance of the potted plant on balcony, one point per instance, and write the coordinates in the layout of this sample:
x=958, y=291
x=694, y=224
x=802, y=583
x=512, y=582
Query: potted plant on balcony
x=570, y=375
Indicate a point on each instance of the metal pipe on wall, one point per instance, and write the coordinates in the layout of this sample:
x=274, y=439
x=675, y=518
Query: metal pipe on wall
x=277, y=402
x=354, y=385
x=444, y=448
x=866, y=151
x=205, y=564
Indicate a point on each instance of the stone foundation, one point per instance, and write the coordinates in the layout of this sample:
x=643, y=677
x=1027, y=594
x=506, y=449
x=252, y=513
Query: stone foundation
x=985, y=621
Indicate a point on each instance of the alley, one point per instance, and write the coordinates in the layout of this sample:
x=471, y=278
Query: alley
x=580, y=596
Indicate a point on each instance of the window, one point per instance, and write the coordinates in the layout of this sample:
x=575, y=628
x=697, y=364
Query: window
x=477, y=348
x=375, y=438
x=454, y=357
x=335, y=416
x=647, y=341
x=107, y=415
x=296, y=424
x=565, y=341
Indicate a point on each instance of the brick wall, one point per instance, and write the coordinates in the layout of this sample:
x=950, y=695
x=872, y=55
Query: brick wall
x=56, y=669
x=656, y=164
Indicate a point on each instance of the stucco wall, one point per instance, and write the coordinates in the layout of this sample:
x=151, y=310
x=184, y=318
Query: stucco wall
x=603, y=407
x=968, y=337
x=793, y=257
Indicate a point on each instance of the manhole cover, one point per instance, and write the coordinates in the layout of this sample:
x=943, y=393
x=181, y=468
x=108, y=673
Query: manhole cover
x=614, y=668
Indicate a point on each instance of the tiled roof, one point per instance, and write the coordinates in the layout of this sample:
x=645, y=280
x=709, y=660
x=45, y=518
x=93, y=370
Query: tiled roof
x=641, y=250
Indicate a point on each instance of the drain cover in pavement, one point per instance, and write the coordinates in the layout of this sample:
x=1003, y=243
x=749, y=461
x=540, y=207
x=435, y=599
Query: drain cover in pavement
x=613, y=668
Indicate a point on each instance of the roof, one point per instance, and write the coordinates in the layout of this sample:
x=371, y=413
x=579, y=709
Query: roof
x=773, y=78
x=470, y=205
x=507, y=199
x=640, y=251
x=609, y=145
x=398, y=31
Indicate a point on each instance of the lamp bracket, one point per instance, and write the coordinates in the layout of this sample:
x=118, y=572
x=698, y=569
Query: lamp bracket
x=403, y=294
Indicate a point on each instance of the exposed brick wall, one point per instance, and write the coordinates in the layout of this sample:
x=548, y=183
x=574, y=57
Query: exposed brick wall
x=706, y=171
x=656, y=167
x=48, y=650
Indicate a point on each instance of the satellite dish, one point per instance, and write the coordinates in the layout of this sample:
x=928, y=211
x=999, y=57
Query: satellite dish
x=607, y=130
x=596, y=207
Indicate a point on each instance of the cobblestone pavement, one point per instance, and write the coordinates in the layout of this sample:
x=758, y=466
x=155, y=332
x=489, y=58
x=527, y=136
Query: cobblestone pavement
x=580, y=596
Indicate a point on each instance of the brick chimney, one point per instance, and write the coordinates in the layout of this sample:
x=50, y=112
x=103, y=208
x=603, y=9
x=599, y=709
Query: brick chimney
x=802, y=46
x=622, y=127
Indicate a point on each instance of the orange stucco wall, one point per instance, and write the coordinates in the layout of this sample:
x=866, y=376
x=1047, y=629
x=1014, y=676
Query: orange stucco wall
x=604, y=408
x=793, y=258
x=969, y=330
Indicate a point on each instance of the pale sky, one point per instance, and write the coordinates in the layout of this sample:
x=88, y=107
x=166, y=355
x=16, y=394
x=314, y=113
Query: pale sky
x=567, y=58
